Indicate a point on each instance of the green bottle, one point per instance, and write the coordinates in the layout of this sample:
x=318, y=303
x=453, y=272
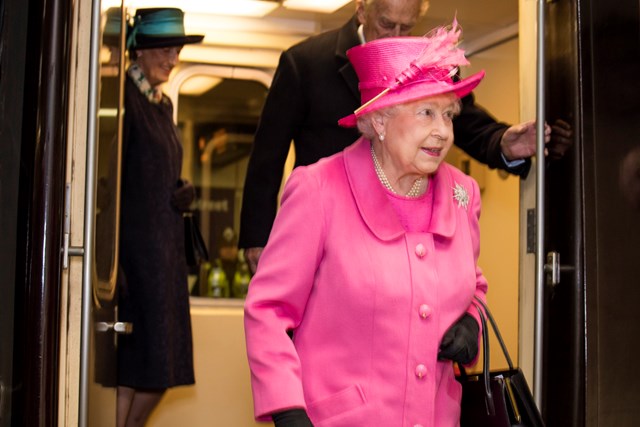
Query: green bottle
x=241, y=278
x=218, y=282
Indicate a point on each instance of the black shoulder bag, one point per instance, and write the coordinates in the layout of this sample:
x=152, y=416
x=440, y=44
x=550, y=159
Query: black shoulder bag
x=195, y=248
x=499, y=398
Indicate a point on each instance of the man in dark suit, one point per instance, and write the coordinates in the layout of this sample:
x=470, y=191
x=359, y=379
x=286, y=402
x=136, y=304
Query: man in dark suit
x=315, y=85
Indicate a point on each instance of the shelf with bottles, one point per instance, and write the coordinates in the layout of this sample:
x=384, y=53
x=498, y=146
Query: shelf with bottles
x=224, y=278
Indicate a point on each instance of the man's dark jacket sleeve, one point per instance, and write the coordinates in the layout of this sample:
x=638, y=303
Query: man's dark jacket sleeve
x=478, y=134
x=271, y=145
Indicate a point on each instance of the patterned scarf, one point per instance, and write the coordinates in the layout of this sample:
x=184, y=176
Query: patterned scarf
x=153, y=94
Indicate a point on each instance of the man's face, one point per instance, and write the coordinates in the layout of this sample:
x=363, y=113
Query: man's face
x=388, y=18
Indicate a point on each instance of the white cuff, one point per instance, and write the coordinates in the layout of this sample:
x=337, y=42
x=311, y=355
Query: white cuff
x=512, y=163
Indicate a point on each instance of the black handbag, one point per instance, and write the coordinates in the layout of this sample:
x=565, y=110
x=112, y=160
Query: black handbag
x=499, y=398
x=195, y=248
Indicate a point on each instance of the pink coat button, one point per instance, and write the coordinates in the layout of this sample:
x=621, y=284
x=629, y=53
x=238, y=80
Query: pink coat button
x=421, y=250
x=425, y=311
x=421, y=371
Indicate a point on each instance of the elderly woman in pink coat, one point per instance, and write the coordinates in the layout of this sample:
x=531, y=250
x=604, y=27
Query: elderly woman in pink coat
x=362, y=299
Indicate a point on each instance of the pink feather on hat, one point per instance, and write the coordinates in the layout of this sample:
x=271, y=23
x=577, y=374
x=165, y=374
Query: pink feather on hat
x=440, y=53
x=396, y=70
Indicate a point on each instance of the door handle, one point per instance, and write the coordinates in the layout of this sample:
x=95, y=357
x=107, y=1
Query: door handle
x=124, y=328
x=553, y=268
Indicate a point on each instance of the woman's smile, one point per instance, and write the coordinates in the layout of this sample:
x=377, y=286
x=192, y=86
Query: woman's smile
x=157, y=63
x=434, y=152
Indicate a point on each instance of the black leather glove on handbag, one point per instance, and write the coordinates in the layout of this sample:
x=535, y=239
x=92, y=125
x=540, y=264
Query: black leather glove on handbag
x=183, y=196
x=292, y=418
x=460, y=342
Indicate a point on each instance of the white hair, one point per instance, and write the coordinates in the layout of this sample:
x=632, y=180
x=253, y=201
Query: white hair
x=365, y=121
x=423, y=7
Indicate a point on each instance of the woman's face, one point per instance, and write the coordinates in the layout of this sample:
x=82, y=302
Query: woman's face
x=156, y=64
x=419, y=134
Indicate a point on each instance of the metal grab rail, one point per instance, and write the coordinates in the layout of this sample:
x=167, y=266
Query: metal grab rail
x=89, y=275
x=89, y=213
x=540, y=208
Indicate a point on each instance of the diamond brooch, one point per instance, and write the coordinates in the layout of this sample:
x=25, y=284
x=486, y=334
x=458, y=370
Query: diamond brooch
x=461, y=196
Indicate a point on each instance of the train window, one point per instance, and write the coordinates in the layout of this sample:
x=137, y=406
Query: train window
x=108, y=152
x=217, y=111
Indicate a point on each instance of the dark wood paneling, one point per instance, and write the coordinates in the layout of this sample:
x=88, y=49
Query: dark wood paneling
x=564, y=348
x=592, y=320
x=12, y=46
x=40, y=213
x=563, y=401
x=612, y=286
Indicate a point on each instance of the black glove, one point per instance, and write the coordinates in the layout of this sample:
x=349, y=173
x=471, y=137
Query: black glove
x=291, y=418
x=183, y=196
x=460, y=342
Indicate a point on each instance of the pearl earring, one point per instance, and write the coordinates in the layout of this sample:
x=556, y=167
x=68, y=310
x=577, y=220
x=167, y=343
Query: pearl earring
x=381, y=137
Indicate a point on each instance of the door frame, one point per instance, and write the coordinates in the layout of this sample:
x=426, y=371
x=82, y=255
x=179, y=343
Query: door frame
x=76, y=388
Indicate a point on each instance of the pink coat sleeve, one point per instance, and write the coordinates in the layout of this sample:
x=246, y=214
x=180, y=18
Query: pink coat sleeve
x=481, y=282
x=278, y=294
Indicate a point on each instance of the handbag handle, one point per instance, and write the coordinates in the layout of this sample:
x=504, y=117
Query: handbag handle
x=483, y=313
x=485, y=364
x=496, y=331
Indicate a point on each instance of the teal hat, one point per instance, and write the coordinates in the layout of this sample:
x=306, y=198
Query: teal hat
x=111, y=33
x=159, y=27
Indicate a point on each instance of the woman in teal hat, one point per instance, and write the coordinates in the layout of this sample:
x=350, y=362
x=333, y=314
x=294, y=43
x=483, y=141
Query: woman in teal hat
x=153, y=291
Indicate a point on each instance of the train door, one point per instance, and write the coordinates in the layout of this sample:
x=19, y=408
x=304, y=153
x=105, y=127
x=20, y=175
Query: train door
x=100, y=310
x=591, y=209
x=562, y=365
x=34, y=61
x=219, y=109
x=89, y=311
x=101, y=263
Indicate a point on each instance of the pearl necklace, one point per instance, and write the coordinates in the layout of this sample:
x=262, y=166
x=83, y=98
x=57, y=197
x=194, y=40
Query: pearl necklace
x=414, y=191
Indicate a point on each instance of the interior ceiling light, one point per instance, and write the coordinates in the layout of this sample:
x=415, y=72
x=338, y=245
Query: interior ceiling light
x=322, y=6
x=256, y=58
x=253, y=8
x=197, y=85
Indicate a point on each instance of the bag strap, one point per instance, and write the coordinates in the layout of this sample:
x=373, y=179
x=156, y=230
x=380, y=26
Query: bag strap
x=485, y=364
x=483, y=313
x=478, y=302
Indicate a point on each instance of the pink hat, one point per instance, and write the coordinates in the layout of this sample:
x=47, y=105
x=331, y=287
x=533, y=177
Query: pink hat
x=396, y=70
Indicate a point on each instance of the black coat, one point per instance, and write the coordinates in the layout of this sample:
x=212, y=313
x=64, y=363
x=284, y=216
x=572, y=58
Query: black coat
x=314, y=86
x=152, y=280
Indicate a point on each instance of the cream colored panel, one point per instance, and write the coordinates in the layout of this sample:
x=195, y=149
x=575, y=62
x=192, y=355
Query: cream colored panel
x=70, y=344
x=71, y=294
x=528, y=22
x=498, y=93
x=222, y=393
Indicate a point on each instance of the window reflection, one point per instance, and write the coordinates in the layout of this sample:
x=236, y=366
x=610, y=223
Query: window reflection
x=108, y=150
x=108, y=147
x=218, y=117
